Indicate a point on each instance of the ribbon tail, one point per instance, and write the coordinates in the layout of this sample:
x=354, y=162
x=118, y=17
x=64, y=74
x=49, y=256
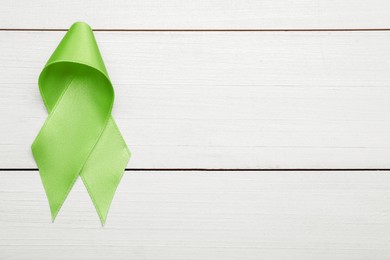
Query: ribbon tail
x=104, y=168
x=57, y=184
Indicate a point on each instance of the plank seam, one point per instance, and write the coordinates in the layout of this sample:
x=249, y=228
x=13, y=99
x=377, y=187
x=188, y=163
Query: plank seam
x=206, y=30
x=226, y=169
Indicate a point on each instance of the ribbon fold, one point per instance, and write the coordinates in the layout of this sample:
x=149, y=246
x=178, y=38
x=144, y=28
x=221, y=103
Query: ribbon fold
x=79, y=137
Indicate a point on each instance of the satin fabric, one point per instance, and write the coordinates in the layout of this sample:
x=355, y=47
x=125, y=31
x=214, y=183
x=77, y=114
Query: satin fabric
x=79, y=136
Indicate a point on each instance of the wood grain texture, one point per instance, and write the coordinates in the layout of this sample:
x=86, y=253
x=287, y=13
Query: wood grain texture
x=165, y=14
x=221, y=100
x=190, y=215
x=212, y=100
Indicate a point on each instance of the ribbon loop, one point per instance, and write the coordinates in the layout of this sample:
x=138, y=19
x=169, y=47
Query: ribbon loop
x=79, y=137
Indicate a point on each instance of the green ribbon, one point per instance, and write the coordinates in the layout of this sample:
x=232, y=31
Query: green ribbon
x=79, y=136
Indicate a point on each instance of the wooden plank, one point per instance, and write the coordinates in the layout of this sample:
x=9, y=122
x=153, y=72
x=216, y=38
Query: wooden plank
x=190, y=215
x=173, y=14
x=221, y=100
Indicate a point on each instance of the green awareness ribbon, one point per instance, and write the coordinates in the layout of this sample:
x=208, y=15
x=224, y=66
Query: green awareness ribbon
x=79, y=137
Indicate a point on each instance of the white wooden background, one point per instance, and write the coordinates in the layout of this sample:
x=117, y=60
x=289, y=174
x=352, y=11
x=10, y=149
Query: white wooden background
x=242, y=87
